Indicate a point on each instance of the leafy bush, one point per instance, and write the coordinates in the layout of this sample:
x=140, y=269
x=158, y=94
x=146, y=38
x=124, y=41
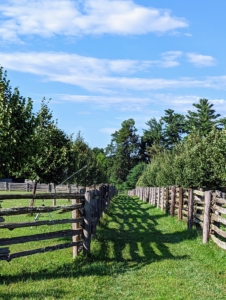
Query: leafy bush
x=197, y=161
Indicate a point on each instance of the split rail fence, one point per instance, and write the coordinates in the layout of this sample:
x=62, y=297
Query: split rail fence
x=41, y=187
x=205, y=210
x=87, y=209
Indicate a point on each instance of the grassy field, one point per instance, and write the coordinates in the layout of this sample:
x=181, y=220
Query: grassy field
x=140, y=253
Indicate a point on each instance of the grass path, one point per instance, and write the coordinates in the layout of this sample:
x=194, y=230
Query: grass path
x=140, y=253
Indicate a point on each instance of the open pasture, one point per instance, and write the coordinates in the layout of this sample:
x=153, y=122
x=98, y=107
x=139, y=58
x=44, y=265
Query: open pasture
x=139, y=253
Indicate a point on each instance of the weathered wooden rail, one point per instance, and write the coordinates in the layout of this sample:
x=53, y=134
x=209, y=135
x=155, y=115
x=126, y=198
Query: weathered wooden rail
x=87, y=209
x=205, y=210
x=41, y=187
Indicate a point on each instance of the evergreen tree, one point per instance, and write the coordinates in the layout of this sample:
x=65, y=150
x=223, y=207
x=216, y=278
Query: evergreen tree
x=153, y=137
x=203, y=120
x=134, y=175
x=123, y=152
x=174, y=128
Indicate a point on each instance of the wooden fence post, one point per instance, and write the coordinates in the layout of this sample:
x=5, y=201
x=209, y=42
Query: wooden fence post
x=103, y=199
x=190, y=208
x=149, y=195
x=154, y=200
x=180, y=208
x=87, y=222
x=100, y=202
x=109, y=194
x=162, y=199
x=206, y=221
x=167, y=200
x=220, y=195
x=158, y=197
x=54, y=200
x=75, y=226
x=94, y=216
x=69, y=188
x=173, y=200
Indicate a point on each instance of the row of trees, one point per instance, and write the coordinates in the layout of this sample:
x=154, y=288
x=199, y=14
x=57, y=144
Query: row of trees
x=197, y=161
x=186, y=150
x=33, y=146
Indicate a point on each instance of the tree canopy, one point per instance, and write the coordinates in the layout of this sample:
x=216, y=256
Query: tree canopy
x=17, y=125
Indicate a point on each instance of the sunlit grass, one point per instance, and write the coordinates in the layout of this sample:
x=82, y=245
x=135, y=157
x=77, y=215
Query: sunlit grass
x=139, y=253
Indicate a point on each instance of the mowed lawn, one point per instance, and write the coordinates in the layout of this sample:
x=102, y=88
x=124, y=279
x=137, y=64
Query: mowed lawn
x=139, y=253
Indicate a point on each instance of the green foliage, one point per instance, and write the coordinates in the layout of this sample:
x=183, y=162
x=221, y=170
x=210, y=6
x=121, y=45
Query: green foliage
x=203, y=120
x=174, y=128
x=139, y=253
x=134, y=175
x=82, y=155
x=153, y=136
x=17, y=124
x=123, y=152
x=50, y=158
x=196, y=162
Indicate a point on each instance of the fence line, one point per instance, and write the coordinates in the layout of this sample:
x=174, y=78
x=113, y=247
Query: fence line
x=41, y=187
x=205, y=210
x=87, y=209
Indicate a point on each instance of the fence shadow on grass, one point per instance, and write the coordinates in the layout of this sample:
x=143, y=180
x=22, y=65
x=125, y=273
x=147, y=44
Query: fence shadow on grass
x=51, y=293
x=138, y=241
x=128, y=238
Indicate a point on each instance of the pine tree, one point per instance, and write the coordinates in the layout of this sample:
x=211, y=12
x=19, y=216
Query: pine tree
x=203, y=120
x=174, y=128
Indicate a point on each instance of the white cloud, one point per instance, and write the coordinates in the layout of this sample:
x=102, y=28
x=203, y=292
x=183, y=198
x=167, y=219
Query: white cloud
x=120, y=103
x=100, y=75
x=108, y=130
x=47, y=18
x=200, y=60
x=169, y=59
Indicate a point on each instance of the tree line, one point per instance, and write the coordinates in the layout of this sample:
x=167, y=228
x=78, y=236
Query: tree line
x=33, y=146
x=186, y=150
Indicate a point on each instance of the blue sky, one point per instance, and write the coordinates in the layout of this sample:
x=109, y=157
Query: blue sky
x=104, y=61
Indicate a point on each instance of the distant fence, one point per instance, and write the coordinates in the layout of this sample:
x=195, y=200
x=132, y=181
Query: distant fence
x=87, y=209
x=41, y=187
x=206, y=210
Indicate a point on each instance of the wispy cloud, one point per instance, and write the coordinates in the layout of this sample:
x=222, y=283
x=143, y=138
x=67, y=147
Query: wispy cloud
x=47, y=18
x=120, y=103
x=102, y=75
x=108, y=130
x=169, y=59
x=200, y=60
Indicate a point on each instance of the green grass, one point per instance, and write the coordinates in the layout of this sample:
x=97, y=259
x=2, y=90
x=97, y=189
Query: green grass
x=139, y=253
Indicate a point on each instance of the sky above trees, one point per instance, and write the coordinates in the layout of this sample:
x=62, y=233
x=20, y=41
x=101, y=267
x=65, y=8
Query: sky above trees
x=106, y=61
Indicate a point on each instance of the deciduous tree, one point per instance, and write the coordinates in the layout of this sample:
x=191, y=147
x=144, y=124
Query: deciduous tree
x=17, y=125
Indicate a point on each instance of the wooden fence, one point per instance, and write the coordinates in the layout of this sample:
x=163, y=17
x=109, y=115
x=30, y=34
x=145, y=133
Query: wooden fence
x=206, y=210
x=41, y=187
x=87, y=209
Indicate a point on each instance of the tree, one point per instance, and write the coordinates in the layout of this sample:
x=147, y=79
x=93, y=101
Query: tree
x=17, y=125
x=123, y=152
x=154, y=134
x=153, y=137
x=174, y=128
x=87, y=162
x=134, y=175
x=203, y=120
x=49, y=162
